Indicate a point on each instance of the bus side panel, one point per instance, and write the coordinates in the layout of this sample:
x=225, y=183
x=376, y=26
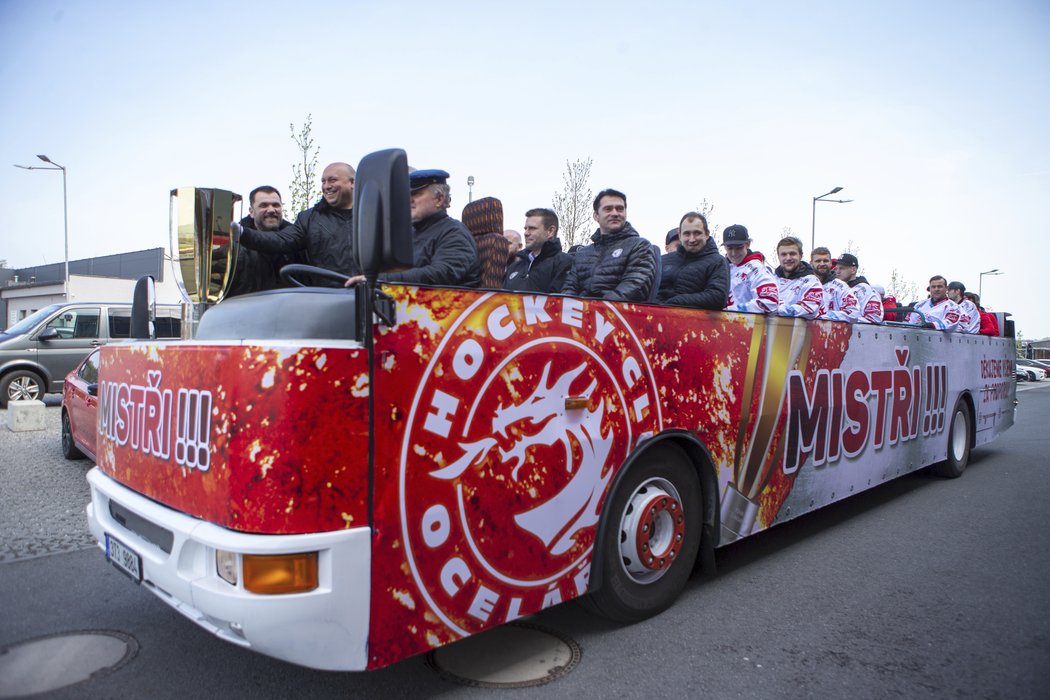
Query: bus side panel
x=502, y=419
x=263, y=439
x=886, y=412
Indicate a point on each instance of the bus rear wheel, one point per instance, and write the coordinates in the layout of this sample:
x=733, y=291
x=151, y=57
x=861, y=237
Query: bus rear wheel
x=958, y=443
x=651, y=540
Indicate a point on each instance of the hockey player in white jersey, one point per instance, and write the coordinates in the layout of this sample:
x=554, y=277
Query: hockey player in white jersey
x=752, y=286
x=801, y=293
x=939, y=311
x=849, y=297
x=969, y=316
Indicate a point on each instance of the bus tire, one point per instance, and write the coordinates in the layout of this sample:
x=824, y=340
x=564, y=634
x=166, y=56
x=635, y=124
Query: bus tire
x=958, y=443
x=651, y=541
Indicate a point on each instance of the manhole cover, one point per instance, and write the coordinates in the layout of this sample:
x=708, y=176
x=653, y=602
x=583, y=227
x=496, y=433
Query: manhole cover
x=61, y=660
x=517, y=655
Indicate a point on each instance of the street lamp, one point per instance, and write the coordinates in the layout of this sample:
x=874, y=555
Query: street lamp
x=813, y=232
x=470, y=188
x=980, y=281
x=65, y=214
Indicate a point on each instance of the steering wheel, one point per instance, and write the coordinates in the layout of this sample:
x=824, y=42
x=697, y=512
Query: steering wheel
x=288, y=273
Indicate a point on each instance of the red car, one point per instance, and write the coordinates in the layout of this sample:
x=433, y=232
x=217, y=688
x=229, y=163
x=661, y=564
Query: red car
x=80, y=409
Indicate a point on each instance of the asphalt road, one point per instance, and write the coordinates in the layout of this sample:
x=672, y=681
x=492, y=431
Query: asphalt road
x=920, y=588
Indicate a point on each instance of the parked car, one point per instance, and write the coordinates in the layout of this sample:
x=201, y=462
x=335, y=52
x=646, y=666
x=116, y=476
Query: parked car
x=80, y=409
x=1033, y=368
x=1034, y=373
x=39, y=351
x=1035, y=364
x=1021, y=374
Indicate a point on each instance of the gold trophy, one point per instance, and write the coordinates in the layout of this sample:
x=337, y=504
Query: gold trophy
x=201, y=219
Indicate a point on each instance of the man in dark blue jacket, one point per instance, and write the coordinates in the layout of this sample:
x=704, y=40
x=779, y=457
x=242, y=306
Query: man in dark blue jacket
x=619, y=264
x=541, y=266
x=443, y=250
x=695, y=274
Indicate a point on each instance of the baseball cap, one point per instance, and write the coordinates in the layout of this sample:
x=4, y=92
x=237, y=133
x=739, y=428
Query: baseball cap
x=421, y=178
x=672, y=235
x=847, y=259
x=957, y=285
x=735, y=235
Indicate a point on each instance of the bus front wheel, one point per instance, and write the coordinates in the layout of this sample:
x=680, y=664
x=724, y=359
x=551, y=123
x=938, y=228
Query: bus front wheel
x=650, y=543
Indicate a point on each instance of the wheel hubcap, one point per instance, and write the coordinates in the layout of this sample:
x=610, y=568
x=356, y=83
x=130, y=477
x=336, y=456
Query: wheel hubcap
x=959, y=437
x=23, y=389
x=652, y=531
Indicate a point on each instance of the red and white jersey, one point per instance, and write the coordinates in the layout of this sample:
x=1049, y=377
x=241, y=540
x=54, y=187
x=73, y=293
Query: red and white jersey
x=871, y=310
x=944, y=315
x=752, y=286
x=841, y=302
x=857, y=304
x=969, y=317
x=802, y=297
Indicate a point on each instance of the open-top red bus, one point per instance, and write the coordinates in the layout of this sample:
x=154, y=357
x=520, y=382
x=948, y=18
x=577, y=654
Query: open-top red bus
x=342, y=478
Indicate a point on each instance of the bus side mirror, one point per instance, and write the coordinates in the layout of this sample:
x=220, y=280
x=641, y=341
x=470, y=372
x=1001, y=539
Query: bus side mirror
x=143, y=308
x=382, y=230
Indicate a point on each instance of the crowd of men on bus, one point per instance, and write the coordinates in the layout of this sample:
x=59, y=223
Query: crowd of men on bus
x=618, y=264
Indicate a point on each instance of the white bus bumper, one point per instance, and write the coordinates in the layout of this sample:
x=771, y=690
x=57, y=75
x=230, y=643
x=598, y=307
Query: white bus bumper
x=326, y=628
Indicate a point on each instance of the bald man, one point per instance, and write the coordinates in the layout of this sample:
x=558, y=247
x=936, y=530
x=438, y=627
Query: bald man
x=322, y=231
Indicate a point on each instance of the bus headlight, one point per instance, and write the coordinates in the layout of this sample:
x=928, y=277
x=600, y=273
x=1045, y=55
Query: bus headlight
x=226, y=566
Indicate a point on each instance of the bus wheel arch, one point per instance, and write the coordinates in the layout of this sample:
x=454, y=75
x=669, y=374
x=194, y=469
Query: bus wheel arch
x=961, y=432
x=656, y=520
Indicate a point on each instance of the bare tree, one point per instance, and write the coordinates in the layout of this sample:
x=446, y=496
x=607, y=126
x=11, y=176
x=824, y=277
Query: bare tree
x=904, y=291
x=304, y=190
x=573, y=204
x=706, y=208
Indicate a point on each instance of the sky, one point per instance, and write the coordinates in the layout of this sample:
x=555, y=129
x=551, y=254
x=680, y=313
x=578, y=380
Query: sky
x=932, y=116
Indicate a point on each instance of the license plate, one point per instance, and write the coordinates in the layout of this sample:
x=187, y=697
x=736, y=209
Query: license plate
x=124, y=558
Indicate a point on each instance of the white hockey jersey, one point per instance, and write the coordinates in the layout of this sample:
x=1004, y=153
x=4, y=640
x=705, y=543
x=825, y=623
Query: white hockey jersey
x=752, y=286
x=944, y=315
x=802, y=297
x=969, y=317
x=840, y=302
x=857, y=304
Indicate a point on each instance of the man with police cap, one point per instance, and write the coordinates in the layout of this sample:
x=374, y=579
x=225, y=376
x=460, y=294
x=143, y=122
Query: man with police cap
x=752, y=286
x=969, y=316
x=443, y=250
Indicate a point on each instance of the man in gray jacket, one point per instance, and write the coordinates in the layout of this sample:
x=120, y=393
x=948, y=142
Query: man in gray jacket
x=619, y=264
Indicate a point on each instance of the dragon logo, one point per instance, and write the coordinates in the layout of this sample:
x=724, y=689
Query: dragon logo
x=528, y=407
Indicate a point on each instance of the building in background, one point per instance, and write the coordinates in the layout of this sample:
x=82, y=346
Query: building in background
x=105, y=278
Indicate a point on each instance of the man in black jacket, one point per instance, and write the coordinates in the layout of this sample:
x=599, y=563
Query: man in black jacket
x=323, y=231
x=542, y=266
x=443, y=250
x=694, y=274
x=619, y=264
x=255, y=271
